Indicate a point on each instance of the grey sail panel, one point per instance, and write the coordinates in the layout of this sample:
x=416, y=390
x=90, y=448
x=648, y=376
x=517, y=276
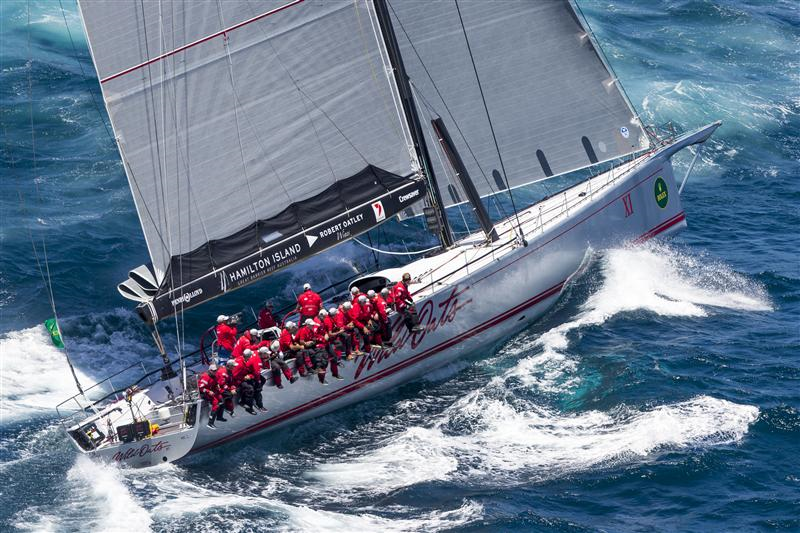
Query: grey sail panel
x=224, y=119
x=553, y=103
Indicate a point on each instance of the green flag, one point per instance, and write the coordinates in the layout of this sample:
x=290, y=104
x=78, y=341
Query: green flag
x=55, y=333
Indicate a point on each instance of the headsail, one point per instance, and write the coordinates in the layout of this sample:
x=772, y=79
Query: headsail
x=248, y=130
x=554, y=105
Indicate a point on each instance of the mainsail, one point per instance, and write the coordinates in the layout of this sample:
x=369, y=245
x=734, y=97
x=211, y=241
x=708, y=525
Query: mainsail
x=253, y=134
x=555, y=107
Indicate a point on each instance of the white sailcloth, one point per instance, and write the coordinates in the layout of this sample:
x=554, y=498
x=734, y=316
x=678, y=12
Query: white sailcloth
x=554, y=105
x=229, y=111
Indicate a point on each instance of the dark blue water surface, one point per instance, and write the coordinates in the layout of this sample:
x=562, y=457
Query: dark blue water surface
x=662, y=392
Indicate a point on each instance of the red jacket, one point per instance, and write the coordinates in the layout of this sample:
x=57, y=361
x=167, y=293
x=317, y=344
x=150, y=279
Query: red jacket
x=241, y=345
x=354, y=314
x=342, y=319
x=364, y=312
x=254, y=366
x=305, y=334
x=380, y=306
x=239, y=371
x=401, y=296
x=309, y=303
x=226, y=335
x=286, y=340
x=208, y=385
x=330, y=325
x=355, y=298
x=224, y=380
x=265, y=319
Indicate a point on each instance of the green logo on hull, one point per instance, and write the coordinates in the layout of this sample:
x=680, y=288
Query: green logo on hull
x=662, y=195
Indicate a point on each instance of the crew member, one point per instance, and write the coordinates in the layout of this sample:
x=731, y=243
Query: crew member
x=238, y=369
x=254, y=368
x=209, y=391
x=340, y=324
x=353, y=326
x=386, y=294
x=383, y=317
x=405, y=304
x=247, y=393
x=227, y=388
x=355, y=292
x=333, y=344
x=320, y=355
x=294, y=349
x=245, y=342
x=366, y=321
x=265, y=316
x=308, y=303
x=226, y=336
x=278, y=365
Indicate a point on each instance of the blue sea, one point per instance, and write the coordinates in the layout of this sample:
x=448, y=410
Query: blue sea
x=660, y=394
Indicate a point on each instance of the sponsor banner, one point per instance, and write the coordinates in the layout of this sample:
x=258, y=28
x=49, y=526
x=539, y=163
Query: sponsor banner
x=285, y=253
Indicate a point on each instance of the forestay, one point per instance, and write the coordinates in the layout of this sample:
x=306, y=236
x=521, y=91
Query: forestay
x=554, y=105
x=231, y=116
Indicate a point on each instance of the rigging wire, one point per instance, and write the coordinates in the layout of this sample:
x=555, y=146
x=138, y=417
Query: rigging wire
x=387, y=252
x=491, y=126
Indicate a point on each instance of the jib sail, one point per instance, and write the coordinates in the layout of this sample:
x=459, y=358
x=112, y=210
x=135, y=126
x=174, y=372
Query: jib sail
x=253, y=134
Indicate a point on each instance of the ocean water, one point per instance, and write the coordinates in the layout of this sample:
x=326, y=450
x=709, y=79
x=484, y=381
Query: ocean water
x=660, y=394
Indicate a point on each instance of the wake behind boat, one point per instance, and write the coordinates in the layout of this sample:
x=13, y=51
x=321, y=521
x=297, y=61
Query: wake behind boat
x=327, y=116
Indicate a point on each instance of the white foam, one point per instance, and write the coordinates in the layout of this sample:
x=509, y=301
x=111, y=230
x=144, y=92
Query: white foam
x=34, y=375
x=655, y=278
x=507, y=444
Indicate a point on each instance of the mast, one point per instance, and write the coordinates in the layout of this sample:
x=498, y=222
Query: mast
x=404, y=87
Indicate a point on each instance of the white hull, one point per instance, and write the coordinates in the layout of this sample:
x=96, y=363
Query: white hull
x=483, y=293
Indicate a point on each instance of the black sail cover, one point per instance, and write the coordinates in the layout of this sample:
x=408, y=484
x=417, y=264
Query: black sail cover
x=254, y=133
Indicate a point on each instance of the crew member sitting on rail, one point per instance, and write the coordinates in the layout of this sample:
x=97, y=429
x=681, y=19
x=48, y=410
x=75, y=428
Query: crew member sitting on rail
x=332, y=344
x=355, y=292
x=238, y=369
x=405, y=304
x=265, y=317
x=320, y=354
x=292, y=348
x=247, y=393
x=340, y=325
x=386, y=294
x=254, y=368
x=226, y=336
x=209, y=391
x=308, y=303
x=278, y=365
x=244, y=342
x=227, y=388
x=352, y=326
x=365, y=320
x=383, y=317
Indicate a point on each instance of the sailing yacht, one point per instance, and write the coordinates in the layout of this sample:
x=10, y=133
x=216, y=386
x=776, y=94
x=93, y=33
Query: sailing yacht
x=256, y=133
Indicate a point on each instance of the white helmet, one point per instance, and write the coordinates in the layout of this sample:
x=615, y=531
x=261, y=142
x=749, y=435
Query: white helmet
x=362, y=299
x=248, y=352
x=306, y=286
x=253, y=332
x=263, y=349
x=221, y=319
x=212, y=367
x=347, y=305
x=231, y=362
x=371, y=293
x=275, y=346
x=290, y=324
x=354, y=291
x=323, y=312
x=309, y=322
x=333, y=311
x=384, y=292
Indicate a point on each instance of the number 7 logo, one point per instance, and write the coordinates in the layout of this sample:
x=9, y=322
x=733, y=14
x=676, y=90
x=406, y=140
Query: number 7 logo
x=377, y=208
